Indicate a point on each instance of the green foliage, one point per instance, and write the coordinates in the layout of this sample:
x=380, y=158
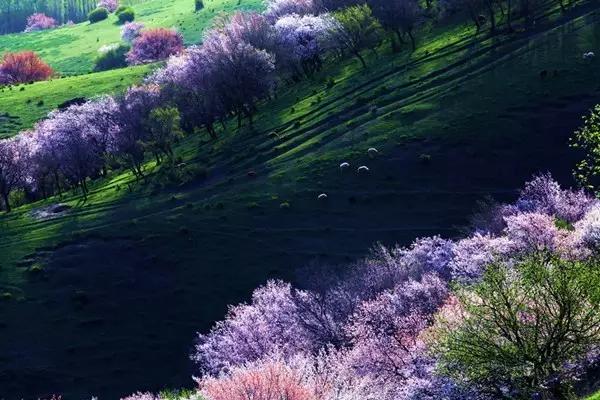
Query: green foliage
x=164, y=127
x=57, y=91
x=361, y=30
x=587, y=138
x=199, y=5
x=126, y=14
x=97, y=15
x=111, y=59
x=121, y=8
x=521, y=324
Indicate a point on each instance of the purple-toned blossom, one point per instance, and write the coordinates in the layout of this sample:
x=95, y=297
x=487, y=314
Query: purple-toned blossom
x=430, y=254
x=302, y=41
x=131, y=30
x=141, y=396
x=471, y=255
x=588, y=228
x=544, y=195
x=14, y=154
x=40, y=22
x=279, y=8
x=385, y=331
x=533, y=232
x=155, y=45
x=268, y=325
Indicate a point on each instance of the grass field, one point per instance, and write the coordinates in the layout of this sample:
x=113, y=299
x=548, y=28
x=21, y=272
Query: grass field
x=162, y=264
x=71, y=50
x=21, y=106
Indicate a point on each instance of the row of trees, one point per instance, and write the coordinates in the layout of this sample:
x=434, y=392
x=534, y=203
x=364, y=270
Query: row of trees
x=14, y=13
x=239, y=64
x=512, y=311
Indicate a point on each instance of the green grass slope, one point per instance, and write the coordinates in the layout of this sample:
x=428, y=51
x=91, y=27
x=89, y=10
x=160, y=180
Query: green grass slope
x=71, y=50
x=21, y=106
x=105, y=300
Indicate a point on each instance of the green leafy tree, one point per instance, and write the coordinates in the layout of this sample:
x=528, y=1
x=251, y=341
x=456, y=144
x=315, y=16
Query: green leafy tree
x=163, y=125
x=358, y=30
x=587, y=138
x=520, y=325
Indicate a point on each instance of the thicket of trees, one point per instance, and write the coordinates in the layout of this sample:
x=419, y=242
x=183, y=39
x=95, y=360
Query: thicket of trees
x=509, y=312
x=14, y=13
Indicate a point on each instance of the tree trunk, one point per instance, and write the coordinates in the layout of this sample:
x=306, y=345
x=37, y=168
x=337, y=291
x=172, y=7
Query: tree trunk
x=492, y=18
x=6, y=201
x=361, y=59
x=412, y=40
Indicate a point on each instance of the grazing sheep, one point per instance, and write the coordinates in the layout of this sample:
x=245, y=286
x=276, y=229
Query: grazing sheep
x=589, y=55
x=363, y=169
x=322, y=197
x=344, y=166
x=372, y=152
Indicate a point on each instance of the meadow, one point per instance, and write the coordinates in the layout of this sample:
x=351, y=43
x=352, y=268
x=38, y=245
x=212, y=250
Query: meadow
x=158, y=254
x=71, y=50
x=23, y=105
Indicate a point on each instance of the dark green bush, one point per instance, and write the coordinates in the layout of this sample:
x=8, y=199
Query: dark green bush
x=112, y=59
x=126, y=15
x=199, y=5
x=97, y=15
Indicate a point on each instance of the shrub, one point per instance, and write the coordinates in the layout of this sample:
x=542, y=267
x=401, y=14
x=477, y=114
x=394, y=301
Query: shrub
x=39, y=22
x=111, y=57
x=23, y=67
x=97, y=15
x=121, y=8
x=130, y=31
x=154, y=45
x=199, y=5
x=126, y=15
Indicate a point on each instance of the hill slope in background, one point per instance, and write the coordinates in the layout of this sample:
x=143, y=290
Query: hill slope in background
x=23, y=105
x=163, y=263
x=71, y=50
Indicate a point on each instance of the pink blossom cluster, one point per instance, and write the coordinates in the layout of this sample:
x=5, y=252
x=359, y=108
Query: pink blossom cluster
x=40, y=22
x=110, y=5
x=154, y=45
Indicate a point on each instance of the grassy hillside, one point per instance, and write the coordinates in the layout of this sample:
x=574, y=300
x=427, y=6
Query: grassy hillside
x=163, y=261
x=21, y=106
x=71, y=50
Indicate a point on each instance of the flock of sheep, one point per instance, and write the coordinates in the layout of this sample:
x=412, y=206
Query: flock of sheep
x=362, y=170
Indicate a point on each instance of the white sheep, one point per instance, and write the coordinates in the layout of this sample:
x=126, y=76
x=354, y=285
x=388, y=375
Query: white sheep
x=372, y=152
x=363, y=169
x=589, y=55
x=322, y=197
x=344, y=166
